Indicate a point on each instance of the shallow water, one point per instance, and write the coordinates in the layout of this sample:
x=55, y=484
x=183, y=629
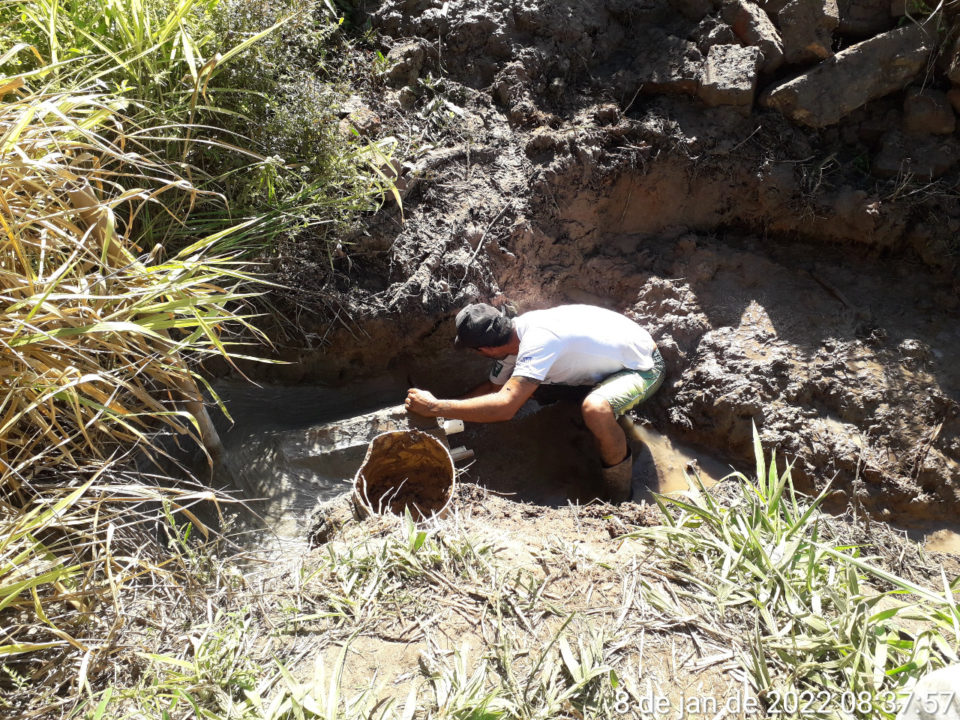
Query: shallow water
x=269, y=458
x=665, y=467
x=544, y=456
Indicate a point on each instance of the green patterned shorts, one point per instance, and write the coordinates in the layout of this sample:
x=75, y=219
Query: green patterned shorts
x=626, y=389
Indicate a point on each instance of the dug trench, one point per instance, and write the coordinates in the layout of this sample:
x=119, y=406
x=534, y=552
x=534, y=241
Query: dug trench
x=792, y=281
x=861, y=398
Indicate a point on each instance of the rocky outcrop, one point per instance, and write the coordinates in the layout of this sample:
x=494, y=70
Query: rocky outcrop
x=730, y=76
x=664, y=64
x=806, y=27
x=773, y=7
x=752, y=25
x=712, y=31
x=406, y=60
x=861, y=73
x=863, y=18
x=928, y=112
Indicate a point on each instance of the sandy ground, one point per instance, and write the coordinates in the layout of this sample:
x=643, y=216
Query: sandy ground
x=506, y=581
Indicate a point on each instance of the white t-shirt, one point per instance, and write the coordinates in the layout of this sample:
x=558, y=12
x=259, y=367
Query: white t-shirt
x=575, y=345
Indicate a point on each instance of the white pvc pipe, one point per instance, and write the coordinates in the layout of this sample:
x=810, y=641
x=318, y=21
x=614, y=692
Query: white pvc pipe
x=452, y=427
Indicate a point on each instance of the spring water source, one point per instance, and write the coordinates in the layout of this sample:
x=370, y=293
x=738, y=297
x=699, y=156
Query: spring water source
x=282, y=459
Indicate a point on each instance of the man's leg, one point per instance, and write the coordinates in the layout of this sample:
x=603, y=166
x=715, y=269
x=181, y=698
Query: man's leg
x=611, y=399
x=600, y=418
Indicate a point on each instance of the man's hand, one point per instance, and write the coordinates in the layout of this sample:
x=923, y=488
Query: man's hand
x=422, y=402
x=492, y=407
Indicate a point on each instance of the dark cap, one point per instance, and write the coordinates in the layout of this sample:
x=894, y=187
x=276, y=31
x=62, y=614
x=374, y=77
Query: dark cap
x=481, y=325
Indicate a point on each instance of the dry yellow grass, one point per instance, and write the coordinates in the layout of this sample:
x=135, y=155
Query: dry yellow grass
x=94, y=333
x=99, y=341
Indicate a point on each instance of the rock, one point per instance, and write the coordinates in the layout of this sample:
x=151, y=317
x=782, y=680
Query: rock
x=389, y=22
x=606, y=114
x=406, y=62
x=664, y=64
x=364, y=120
x=773, y=7
x=407, y=98
x=864, y=18
x=928, y=112
x=806, y=28
x=853, y=77
x=916, y=351
x=954, y=97
x=752, y=25
x=712, y=31
x=730, y=76
x=512, y=84
x=924, y=157
x=435, y=21
x=936, y=692
x=351, y=105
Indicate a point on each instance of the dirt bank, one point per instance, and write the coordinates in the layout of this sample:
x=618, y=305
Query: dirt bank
x=790, y=280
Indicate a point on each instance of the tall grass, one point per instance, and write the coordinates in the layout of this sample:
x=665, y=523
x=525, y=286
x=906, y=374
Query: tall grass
x=94, y=333
x=828, y=631
x=122, y=147
x=80, y=574
x=99, y=342
x=242, y=95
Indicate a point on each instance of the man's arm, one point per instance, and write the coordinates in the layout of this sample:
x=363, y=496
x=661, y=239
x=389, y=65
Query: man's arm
x=484, y=388
x=492, y=407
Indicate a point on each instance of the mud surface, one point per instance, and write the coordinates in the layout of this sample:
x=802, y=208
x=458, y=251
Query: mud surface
x=294, y=448
x=787, y=283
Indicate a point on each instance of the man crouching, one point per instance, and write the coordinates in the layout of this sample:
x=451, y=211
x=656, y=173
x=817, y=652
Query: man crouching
x=565, y=345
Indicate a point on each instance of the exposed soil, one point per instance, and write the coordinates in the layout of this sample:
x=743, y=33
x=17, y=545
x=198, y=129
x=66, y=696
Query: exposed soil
x=576, y=560
x=787, y=282
x=572, y=559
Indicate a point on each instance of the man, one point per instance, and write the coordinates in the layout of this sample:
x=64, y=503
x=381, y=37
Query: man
x=565, y=345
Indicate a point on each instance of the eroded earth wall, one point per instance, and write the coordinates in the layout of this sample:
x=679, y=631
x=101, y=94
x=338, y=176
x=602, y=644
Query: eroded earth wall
x=770, y=188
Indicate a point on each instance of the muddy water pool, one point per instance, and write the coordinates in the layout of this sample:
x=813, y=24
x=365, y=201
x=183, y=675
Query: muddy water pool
x=544, y=456
x=268, y=459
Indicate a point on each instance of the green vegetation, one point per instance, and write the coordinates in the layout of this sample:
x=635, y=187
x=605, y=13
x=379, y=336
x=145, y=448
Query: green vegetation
x=828, y=629
x=241, y=96
x=748, y=576
x=147, y=148
x=92, y=330
x=366, y=587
